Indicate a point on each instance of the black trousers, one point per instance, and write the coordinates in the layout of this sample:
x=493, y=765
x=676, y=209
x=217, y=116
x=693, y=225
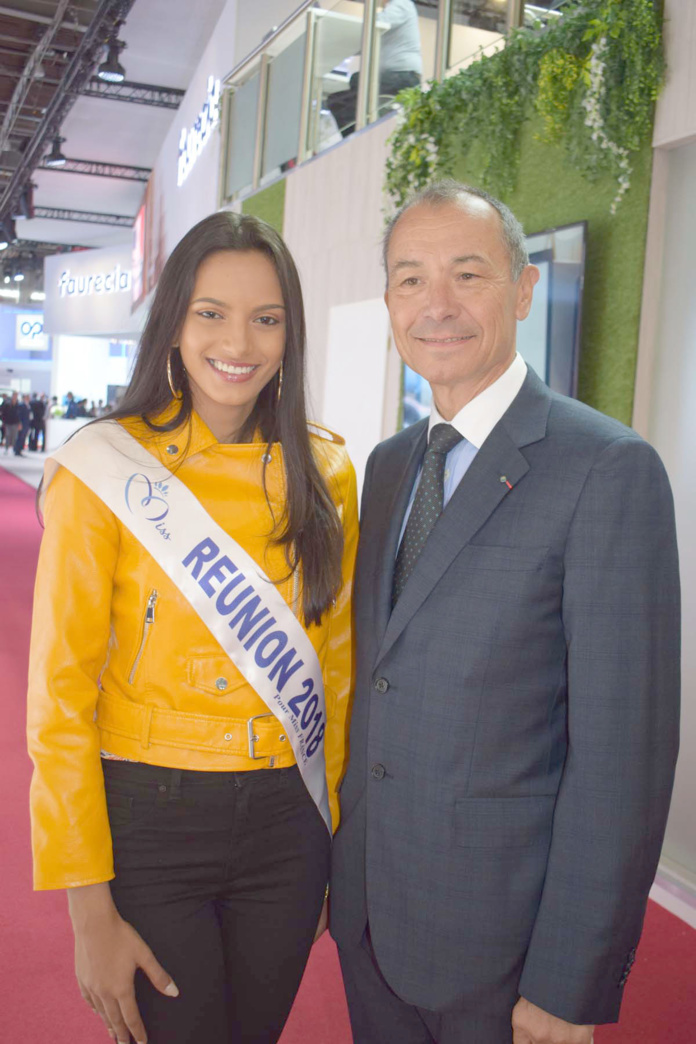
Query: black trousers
x=21, y=439
x=38, y=429
x=223, y=874
x=378, y=1015
x=342, y=103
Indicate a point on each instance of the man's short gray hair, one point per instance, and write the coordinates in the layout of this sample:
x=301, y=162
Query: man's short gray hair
x=450, y=191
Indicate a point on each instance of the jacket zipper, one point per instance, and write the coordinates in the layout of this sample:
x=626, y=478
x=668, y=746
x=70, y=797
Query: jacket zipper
x=149, y=621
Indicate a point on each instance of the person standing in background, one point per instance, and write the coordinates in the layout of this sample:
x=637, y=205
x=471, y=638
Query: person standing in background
x=24, y=409
x=38, y=423
x=10, y=420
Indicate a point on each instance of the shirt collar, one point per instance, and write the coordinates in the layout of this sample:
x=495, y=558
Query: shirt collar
x=476, y=420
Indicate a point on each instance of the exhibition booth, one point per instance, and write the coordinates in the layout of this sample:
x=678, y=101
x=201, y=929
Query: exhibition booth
x=88, y=317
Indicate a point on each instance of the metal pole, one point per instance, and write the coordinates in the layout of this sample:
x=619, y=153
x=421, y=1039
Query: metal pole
x=304, y=151
x=223, y=198
x=515, y=14
x=261, y=120
x=444, y=34
x=365, y=104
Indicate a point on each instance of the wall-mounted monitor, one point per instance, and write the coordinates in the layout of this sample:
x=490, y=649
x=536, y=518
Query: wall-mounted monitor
x=549, y=338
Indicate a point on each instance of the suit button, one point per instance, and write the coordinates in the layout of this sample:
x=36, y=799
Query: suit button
x=381, y=685
x=378, y=771
x=221, y=684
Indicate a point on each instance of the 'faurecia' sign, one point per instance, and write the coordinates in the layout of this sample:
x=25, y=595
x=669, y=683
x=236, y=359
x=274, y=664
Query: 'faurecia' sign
x=118, y=279
x=192, y=141
x=89, y=293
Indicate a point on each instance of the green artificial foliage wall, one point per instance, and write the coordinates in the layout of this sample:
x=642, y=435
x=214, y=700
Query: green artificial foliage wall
x=268, y=204
x=550, y=193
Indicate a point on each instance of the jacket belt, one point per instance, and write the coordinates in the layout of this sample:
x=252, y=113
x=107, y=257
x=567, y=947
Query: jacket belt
x=259, y=737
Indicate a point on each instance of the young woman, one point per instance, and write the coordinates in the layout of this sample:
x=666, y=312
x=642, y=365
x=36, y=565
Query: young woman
x=191, y=659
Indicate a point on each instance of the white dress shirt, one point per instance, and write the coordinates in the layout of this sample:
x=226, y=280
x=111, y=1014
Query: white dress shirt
x=474, y=422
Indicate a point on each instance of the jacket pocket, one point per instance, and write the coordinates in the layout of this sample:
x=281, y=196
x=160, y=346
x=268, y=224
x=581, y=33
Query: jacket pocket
x=127, y=805
x=504, y=822
x=509, y=559
x=215, y=675
x=148, y=623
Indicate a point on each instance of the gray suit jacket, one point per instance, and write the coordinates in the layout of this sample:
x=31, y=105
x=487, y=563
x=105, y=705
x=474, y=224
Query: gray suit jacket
x=515, y=723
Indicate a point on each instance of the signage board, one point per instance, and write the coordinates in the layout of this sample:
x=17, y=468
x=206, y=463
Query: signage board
x=89, y=292
x=30, y=336
x=193, y=140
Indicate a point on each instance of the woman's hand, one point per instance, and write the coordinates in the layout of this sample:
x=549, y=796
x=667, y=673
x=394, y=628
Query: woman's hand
x=323, y=920
x=108, y=951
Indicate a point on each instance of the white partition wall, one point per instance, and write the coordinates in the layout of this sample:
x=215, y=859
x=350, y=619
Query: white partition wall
x=333, y=225
x=665, y=394
x=671, y=427
x=356, y=376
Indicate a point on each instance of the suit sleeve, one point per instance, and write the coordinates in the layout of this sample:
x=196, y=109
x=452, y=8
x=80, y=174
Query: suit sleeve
x=622, y=626
x=340, y=655
x=71, y=838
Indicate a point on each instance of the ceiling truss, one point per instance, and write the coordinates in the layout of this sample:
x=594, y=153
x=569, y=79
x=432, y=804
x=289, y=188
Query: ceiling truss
x=135, y=93
x=79, y=70
x=87, y=217
x=97, y=169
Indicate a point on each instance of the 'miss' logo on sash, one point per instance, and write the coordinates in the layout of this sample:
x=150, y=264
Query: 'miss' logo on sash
x=148, y=499
x=233, y=595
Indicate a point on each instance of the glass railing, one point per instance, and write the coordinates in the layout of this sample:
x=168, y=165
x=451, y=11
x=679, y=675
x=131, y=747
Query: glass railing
x=242, y=118
x=335, y=66
x=476, y=25
x=544, y=12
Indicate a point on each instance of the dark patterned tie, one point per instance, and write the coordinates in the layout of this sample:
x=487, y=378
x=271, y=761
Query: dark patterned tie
x=427, y=504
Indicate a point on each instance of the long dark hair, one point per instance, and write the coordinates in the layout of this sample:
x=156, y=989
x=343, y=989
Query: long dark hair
x=310, y=529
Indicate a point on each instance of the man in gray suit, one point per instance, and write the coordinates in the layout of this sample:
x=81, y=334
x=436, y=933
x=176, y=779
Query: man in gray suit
x=515, y=724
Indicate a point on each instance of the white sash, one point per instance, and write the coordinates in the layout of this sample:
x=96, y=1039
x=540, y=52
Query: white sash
x=240, y=606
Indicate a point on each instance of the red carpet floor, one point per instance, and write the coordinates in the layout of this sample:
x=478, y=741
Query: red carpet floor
x=39, y=1000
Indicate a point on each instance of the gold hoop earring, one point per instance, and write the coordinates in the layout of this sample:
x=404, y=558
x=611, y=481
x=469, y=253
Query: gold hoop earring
x=280, y=382
x=170, y=379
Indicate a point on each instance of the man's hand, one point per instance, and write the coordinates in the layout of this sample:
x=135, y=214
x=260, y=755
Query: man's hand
x=532, y=1025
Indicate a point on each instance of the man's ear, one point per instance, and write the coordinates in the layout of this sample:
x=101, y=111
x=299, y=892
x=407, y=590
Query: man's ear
x=525, y=290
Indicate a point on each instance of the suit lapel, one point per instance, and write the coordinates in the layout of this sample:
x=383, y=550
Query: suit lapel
x=485, y=485
x=403, y=464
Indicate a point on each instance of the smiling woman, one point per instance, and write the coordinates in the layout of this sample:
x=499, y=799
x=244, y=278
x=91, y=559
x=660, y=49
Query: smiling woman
x=191, y=659
x=233, y=338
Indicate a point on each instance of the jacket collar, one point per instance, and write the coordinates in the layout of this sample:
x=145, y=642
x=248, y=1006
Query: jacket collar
x=497, y=468
x=191, y=437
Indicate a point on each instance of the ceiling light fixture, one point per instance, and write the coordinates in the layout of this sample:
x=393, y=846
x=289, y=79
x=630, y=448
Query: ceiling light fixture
x=24, y=205
x=111, y=70
x=55, y=157
x=18, y=277
x=4, y=244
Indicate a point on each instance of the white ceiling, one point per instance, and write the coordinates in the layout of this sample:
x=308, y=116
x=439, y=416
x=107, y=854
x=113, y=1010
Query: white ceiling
x=165, y=41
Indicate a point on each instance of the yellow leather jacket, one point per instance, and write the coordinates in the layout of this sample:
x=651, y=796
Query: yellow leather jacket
x=120, y=661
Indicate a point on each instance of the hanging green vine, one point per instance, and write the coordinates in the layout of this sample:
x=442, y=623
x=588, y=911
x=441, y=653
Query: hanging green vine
x=593, y=77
